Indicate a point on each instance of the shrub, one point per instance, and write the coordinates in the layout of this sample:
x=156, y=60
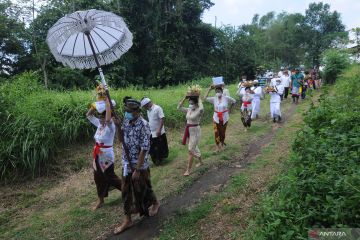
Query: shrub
x=335, y=62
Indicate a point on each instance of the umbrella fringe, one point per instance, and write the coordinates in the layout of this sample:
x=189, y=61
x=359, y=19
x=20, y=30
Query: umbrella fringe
x=72, y=24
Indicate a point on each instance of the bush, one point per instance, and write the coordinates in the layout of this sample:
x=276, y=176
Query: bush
x=335, y=62
x=321, y=189
x=36, y=123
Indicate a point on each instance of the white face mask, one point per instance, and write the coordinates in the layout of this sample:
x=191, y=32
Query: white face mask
x=192, y=106
x=277, y=83
x=219, y=94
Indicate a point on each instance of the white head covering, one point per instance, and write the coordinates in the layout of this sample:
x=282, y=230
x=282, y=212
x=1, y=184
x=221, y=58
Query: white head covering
x=255, y=81
x=145, y=101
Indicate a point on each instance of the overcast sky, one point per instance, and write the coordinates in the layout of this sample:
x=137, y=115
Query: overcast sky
x=238, y=12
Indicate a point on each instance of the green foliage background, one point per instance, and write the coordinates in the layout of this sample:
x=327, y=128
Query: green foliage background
x=171, y=43
x=334, y=61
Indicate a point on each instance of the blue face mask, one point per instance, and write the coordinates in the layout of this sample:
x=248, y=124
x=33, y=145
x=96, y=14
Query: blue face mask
x=129, y=116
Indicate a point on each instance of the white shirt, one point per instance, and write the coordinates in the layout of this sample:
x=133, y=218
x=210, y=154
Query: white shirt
x=275, y=96
x=257, y=92
x=242, y=81
x=285, y=80
x=155, y=114
x=273, y=81
x=221, y=106
x=280, y=74
x=280, y=88
x=105, y=133
x=241, y=91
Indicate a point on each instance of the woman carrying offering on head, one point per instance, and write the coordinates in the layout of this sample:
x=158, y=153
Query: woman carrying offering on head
x=246, y=107
x=192, y=129
x=103, y=153
x=221, y=114
x=257, y=95
x=275, y=100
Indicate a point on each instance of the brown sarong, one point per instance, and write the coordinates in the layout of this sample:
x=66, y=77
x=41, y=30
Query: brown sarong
x=104, y=180
x=138, y=195
x=220, y=130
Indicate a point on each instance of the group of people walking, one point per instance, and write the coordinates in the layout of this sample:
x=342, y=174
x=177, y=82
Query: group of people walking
x=140, y=138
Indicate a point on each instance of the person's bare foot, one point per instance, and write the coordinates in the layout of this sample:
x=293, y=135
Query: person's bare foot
x=187, y=173
x=218, y=149
x=222, y=148
x=153, y=209
x=98, y=204
x=121, y=228
x=199, y=164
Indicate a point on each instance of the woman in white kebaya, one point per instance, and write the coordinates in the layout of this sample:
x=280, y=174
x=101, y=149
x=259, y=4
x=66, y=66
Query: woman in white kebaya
x=275, y=100
x=103, y=152
x=257, y=94
x=221, y=114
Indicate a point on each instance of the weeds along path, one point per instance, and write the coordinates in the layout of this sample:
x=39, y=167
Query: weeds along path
x=211, y=180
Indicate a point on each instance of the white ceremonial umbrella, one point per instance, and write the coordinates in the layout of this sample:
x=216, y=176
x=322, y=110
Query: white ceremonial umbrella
x=89, y=39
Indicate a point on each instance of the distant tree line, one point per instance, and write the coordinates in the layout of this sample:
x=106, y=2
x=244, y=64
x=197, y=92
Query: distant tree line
x=171, y=43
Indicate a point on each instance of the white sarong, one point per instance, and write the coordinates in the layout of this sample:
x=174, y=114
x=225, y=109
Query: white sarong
x=255, y=107
x=275, y=109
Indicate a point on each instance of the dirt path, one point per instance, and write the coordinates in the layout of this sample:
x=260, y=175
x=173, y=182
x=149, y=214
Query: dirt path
x=211, y=180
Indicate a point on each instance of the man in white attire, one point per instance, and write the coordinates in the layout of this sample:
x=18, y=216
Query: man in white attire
x=285, y=81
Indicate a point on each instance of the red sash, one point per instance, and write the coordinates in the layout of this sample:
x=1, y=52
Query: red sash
x=246, y=104
x=97, y=149
x=187, y=132
x=221, y=116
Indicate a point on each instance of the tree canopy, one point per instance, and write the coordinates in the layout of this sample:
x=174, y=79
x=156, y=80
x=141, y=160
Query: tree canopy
x=171, y=43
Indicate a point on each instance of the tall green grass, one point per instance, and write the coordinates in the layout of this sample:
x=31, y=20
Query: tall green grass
x=36, y=123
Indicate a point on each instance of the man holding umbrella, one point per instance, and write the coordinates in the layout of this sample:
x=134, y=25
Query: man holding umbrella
x=137, y=192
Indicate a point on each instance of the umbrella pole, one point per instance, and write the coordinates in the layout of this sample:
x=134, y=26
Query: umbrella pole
x=102, y=77
x=127, y=153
